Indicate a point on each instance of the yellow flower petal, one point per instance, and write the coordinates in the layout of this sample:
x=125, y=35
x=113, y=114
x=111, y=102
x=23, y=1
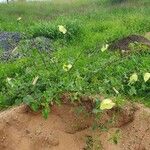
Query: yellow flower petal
x=107, y=104
x=146, y=76
x=18, y=19
x=62, y=29
x=35, y=80
x=133, y=78
x=9, y=81
x=67, y=67
x=115, y=90
x=104, y=48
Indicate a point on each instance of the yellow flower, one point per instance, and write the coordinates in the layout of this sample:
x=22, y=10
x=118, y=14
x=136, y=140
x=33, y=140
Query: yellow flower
x=62, y=29
x=104, y=48
x=54, y=60
x=133, y=78
x=115, y=90
x=18, y=19
x=107, y=104
x=35, y=80
x=67, y=67
x=146, y=76
x=9, y=81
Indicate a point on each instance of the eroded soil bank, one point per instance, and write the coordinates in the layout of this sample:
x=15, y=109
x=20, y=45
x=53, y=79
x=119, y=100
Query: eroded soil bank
x=67, y=128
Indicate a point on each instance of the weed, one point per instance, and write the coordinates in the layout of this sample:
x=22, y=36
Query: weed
x=81, y=62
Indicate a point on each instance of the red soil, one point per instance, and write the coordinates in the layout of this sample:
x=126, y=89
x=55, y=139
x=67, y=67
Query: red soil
x=67, y=129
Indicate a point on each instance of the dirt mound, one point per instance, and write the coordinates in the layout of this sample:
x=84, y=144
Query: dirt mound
x=125, y=43
x=70, y=128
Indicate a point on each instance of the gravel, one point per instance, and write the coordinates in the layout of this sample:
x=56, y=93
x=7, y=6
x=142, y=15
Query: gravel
x=12, y=45
x=8, y=42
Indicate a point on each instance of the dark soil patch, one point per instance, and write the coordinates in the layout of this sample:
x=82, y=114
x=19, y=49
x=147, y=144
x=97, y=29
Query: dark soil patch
x=125, y=43
x=13, y=45
x=8, y=42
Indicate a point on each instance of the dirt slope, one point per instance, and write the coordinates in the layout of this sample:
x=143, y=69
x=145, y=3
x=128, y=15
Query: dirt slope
x=20, y=129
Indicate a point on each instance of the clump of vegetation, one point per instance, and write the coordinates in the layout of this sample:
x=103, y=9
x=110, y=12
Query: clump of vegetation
x=81, y=63
x=50, y=30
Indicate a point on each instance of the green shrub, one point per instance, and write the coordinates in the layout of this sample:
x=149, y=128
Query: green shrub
x=50, y=30
x=43, y=79
x=89, y=26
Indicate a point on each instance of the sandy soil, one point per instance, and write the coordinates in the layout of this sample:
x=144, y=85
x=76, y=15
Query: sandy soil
x=67, y=128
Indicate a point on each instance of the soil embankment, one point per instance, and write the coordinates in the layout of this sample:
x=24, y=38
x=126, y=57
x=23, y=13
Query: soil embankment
x=22, y=129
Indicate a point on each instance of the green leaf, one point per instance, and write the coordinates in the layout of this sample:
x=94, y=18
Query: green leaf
x=133, y=91
x=97, y=103
x=45, y=112
x=34, y=106
x=133, y=78
x=28, y=99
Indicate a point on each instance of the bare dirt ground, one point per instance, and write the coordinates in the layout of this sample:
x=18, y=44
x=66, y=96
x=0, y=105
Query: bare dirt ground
x=67, y=128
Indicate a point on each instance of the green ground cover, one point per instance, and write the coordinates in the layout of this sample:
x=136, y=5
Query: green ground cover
x=77, y=64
